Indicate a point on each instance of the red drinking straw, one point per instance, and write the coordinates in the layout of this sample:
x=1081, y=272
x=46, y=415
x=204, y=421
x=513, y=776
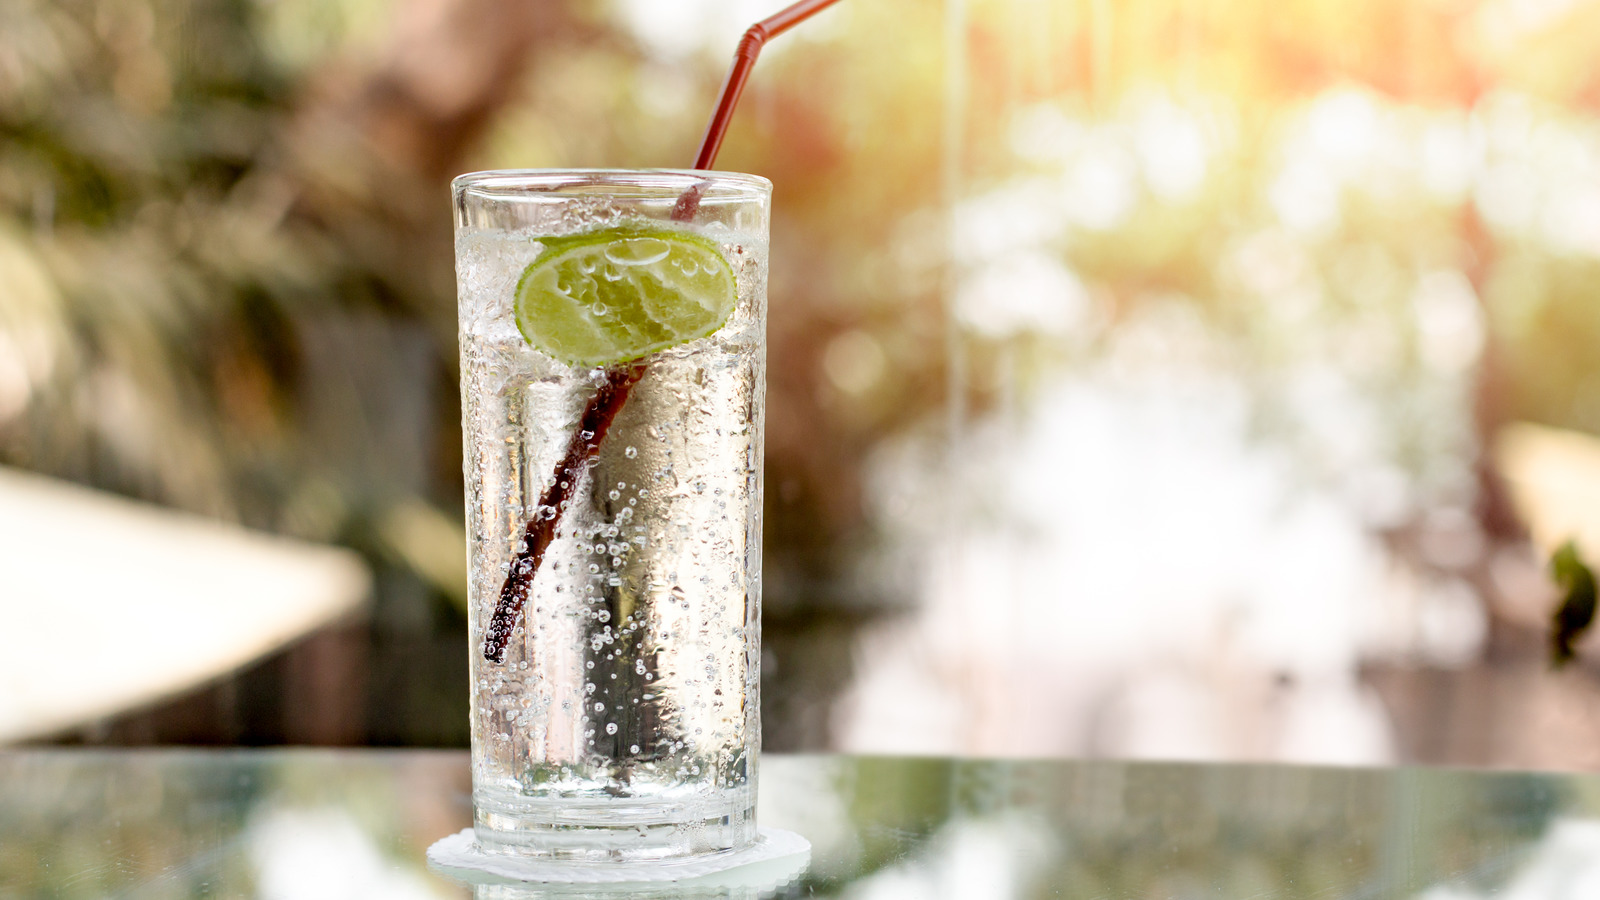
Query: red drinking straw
x=613, y=393
x=744, y=59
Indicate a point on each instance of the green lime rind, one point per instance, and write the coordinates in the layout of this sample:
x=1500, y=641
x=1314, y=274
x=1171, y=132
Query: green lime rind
x=618, y=294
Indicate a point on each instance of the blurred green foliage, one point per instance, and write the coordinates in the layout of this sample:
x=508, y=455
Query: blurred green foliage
x=225, y=277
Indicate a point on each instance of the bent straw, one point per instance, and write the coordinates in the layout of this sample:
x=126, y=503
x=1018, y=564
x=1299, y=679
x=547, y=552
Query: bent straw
x=608, y=399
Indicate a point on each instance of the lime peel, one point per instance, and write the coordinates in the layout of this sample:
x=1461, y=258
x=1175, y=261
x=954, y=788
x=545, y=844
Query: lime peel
x=613, y=295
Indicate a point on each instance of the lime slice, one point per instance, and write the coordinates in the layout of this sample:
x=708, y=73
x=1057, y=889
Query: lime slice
x=614, y=295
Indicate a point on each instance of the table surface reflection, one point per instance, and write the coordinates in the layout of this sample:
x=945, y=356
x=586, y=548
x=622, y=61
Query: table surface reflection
x=308, y=824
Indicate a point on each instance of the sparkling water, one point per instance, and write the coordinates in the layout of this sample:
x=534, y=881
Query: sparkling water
x=624, y=721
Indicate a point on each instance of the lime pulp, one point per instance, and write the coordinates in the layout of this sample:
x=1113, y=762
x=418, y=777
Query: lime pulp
x=617, y=294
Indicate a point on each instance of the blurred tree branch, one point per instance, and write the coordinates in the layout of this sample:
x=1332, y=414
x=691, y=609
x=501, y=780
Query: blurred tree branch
x=449, y=67
x=372, y=145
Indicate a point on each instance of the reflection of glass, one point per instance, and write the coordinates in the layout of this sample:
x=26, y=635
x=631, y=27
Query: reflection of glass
x=591, y=892
x=761, y=881
x=622, y=721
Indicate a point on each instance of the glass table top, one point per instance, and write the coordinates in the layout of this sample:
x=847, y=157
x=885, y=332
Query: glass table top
x=347, y=824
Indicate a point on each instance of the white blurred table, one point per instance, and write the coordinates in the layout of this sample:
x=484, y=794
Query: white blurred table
x=107, y=604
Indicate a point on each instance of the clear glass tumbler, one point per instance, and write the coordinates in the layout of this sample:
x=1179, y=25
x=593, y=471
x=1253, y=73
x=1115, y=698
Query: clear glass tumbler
x=623, y=722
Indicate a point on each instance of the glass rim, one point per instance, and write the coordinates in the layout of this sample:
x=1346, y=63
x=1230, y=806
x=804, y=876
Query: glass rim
x=723, y=185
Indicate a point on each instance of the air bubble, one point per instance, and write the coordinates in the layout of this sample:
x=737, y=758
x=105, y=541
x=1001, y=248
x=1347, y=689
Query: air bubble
x=611, y=728
x=631, y=452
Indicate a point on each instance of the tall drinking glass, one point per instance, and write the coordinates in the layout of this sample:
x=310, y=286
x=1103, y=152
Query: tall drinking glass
x=622, y=721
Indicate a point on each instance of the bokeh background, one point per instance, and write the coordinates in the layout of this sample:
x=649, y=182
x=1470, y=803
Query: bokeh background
x=1150, y=379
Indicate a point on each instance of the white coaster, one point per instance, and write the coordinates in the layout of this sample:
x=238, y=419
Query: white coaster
x=775, y=857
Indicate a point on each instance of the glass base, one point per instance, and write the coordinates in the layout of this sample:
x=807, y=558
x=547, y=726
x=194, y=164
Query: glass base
x=619, y=830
